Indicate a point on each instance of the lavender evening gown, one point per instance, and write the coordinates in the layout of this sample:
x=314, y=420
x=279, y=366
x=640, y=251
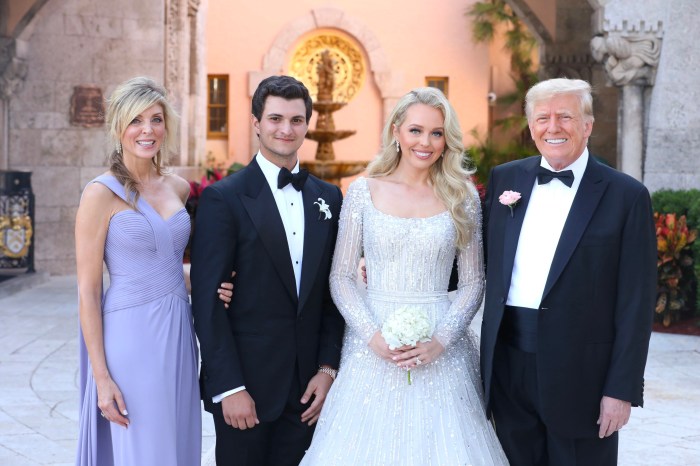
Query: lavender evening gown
x=149, y=344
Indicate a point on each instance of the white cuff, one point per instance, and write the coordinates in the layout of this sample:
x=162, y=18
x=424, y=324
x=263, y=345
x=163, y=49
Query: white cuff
x=218, y=398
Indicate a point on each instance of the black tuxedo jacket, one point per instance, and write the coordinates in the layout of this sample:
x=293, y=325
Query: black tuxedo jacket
x=268, y=332
x=594, y=322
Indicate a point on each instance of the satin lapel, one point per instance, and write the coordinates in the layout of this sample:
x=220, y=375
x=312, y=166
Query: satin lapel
x=523, y=183
x=587, y=198
x=262, y=209
x=316, y=229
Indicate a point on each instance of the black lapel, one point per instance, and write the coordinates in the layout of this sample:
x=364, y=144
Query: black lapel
x=316, y=230
x=589, y=193
x=262, y=209
x=523, y=182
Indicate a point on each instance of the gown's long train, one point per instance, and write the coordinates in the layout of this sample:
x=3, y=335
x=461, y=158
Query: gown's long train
x=372, y=416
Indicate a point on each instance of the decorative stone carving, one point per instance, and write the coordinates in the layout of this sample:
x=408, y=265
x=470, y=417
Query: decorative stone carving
x=86, y=106
x=192, y=8
x=628, y=59
x=630, y=54
x=175, y=25
x=13, y=68
x=347, y=69
x=178, y=67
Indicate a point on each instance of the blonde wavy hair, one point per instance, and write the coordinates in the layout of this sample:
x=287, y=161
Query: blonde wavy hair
x=450, y=179
x=129, y=100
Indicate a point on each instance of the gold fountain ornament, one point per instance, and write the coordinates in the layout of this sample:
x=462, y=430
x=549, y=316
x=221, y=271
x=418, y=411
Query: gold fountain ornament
x=325, y=166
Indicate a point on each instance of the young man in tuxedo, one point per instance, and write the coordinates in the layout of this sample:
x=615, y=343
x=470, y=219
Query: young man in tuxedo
x=269, y=360
x=570, y=290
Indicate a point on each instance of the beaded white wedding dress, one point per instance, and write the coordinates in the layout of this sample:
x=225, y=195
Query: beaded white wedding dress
x=372, y=416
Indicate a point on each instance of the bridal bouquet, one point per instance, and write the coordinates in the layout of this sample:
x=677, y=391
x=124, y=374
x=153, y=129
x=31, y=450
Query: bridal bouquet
x=407, y=325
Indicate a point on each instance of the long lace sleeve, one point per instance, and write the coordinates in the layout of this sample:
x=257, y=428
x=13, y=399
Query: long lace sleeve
x=348, y=250
x=470, y=290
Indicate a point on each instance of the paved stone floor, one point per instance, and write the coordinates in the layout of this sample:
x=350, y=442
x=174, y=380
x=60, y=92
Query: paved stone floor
x=39, y=394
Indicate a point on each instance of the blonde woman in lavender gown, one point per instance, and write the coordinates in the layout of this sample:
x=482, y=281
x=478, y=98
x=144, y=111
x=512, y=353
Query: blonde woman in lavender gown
x=139, y=390
x=410, y=218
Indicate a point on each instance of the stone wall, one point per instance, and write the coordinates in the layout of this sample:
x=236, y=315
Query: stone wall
x=71, y=43
x=671, y=125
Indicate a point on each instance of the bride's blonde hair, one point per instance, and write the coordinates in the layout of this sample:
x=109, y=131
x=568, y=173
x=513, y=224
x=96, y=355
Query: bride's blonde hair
x=450, y=179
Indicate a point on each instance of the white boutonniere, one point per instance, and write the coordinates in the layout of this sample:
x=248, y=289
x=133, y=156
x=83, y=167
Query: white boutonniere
x=509, y=199
x=323, y=209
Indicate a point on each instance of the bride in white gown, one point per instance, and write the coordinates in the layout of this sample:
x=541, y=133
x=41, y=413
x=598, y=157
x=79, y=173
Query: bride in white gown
x=410, y=219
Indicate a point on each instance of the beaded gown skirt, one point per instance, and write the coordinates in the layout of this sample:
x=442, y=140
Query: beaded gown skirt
x=372, y=415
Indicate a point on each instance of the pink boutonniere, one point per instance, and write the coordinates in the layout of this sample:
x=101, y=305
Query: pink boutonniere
x=510, y=199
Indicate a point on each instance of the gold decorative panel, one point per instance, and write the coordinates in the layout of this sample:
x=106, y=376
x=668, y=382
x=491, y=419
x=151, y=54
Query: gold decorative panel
x=348, y=64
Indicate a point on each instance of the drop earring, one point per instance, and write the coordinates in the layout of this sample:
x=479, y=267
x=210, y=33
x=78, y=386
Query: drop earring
x=119, y=147
x=398, y=148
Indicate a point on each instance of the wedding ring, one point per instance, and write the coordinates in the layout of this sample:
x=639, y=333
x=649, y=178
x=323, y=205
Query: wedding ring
x=418, y=362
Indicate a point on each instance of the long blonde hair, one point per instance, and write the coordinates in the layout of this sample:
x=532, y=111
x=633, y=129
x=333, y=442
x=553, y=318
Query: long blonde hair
x=127, y=101
x=450, y=179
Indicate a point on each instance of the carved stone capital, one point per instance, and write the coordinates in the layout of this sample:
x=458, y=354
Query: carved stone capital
x=13, y=67
x=628, y=58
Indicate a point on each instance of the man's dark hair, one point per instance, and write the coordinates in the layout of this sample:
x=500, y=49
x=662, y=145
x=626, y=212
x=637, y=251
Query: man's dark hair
x=280, y=86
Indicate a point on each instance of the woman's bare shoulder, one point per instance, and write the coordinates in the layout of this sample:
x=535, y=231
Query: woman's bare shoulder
x=178, y=184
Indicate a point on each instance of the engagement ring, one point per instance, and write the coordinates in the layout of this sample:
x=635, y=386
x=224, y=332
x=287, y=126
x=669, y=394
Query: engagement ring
x=418, y=362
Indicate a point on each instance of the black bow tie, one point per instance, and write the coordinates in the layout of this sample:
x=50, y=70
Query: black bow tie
x=297, y=179
x=544, y=176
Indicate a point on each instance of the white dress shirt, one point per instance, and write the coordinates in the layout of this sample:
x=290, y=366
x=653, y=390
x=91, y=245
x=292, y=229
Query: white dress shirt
x=544, y=221
x=291, y=209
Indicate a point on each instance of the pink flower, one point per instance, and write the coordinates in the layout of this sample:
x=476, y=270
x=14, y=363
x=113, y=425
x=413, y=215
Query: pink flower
x=510, y=199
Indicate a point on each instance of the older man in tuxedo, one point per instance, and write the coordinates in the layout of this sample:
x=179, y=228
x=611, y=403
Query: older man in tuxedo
x=268, y=361
x=571, y=284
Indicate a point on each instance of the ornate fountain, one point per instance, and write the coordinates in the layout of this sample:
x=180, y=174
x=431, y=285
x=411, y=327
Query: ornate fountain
x=325, y=166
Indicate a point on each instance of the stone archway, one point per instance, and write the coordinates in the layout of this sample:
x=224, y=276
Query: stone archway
x=389, y=82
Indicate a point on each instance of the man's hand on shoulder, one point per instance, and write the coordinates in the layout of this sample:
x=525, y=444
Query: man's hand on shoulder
x=318, y=388
x=239, y=410
x=614, y=414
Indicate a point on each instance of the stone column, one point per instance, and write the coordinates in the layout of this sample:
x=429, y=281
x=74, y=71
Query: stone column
x=4, y=134
x=177, y=61
x=630, y=62
x=197, y=118
x=631, y=131
x=13, y=71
